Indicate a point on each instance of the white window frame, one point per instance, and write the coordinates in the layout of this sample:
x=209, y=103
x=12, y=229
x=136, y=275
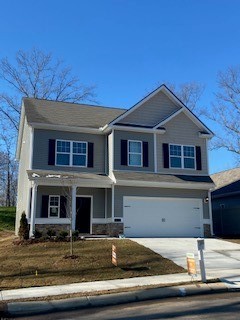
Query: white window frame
x=182, y=156
x=49, y=206
x=138, y=153
x=71, y=154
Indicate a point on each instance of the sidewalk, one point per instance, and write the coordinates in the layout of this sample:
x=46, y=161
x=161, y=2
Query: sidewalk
x=140, y=294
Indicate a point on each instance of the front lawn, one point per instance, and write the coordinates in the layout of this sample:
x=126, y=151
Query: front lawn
x=44, y=263
x=7, y=218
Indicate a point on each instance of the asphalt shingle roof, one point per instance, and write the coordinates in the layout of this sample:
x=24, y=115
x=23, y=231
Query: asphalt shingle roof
x=224, y=178
x=158, y=177
x=69, y=114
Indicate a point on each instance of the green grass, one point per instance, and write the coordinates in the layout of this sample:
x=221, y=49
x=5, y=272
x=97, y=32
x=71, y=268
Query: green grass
x=19, y=263
x=7, y=218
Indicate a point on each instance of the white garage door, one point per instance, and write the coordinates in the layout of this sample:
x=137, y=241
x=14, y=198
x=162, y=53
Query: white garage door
x=162, y=217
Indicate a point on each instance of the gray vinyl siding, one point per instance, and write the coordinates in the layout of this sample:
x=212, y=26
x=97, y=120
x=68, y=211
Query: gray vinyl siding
x=98, y=198
x=124, y=135
x=152, y=111
x=120, y=192
x=40, y=150
x=24, y=184
x=109, y=203
x=181, y=130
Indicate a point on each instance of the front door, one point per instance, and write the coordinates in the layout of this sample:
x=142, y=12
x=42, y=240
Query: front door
x=83, y=214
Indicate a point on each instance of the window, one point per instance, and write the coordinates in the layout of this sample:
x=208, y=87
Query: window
x=135, y=153
x=182, y=157
x=53, y=206
x=79, y=157
x=71, y=153
x=63, y=153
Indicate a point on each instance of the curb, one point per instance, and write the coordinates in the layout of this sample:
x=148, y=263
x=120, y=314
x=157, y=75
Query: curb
x=41, y=307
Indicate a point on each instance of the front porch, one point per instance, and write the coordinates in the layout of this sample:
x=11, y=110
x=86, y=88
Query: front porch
x=67, y=201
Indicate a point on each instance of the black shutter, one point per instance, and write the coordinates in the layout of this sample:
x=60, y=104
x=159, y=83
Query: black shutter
x=90, y=154
x=145, y=154
x=124, y=153
x=51, y=152
x=63, y=207
x=165, y=155
x=199, y=158
x=44, y=211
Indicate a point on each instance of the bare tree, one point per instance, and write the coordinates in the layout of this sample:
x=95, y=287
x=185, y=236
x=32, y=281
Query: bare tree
x=190, y=94
x=37, y=74
x=8, y=173
x=226, y=111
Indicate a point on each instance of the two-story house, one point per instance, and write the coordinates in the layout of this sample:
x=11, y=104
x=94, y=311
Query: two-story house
x=141, y=172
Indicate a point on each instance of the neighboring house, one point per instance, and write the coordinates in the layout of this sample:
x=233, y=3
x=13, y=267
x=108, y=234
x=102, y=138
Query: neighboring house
x=138, y=172
x=226, y=203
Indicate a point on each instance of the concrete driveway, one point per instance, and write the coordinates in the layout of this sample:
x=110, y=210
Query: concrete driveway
x=222, y=258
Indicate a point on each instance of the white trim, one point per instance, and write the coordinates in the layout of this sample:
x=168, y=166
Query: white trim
x=137, y=153
x=167, y=185
x=33, y=209
x=31, y=148
x=172, y=97
x=192, y=117
x=28, y=201
x=91, y=208
x=57, y=127
x=73, y=206
x=137, y=105
x=207, y=153
x=55, y=196
x=173, y=115
x=135, y=129
x=155, y=153
x=205, y=135
x=182, y=157
x=71, y=154
x=52, y=221
x=98, y=221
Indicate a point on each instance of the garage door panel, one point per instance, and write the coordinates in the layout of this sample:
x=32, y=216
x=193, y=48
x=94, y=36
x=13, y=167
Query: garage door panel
x=162, y=217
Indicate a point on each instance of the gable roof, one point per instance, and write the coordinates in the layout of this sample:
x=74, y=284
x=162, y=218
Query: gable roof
x=225, y=178
x=182, y=108
x=68, y=114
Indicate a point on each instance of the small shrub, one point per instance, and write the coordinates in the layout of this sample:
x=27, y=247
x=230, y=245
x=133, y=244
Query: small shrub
x=37, y=234
x=51, y=233
x=75, y=235
x=63, y=234
x=23, y=231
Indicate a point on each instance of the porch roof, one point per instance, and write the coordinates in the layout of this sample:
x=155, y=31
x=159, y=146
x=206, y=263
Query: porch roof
x=68, y=178
x=163, y=180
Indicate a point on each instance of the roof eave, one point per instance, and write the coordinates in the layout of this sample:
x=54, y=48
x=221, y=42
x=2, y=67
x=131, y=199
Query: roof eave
x=38, y=125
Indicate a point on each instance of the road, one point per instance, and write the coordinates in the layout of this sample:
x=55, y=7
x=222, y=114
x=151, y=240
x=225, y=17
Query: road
x=212, y=306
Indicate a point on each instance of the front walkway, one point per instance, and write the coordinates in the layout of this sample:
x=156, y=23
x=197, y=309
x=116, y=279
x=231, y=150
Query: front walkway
x=222, y=258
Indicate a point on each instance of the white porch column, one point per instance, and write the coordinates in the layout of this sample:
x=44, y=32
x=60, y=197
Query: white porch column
x=33, y=209
x=113, y=204
x=74, y=192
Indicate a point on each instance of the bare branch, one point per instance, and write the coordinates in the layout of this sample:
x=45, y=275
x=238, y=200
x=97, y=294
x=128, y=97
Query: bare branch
x=37, y=74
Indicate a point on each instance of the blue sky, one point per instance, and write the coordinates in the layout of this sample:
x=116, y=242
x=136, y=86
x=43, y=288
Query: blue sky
x=128, y=47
